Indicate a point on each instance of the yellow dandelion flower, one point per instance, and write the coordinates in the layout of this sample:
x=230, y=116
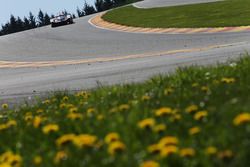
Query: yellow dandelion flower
x=187, y=152
x=11, y=123
x=65, y=98
x=211, y=150
x=205, y=88
x=5, y=106
x=75, y=116
x=3, y=127
x=146, y=123
x=163, y=111
x=159, y=128
x=91, y=111
x=241, y=119
x=116, y=147
x=154, y=149
x=150, y=164
x=46, y=102
x=50, y=128
x=114, y=110
x=168, y=91
x=63, y=105
x=226, y=154
x=168, y=150
x=73, y=110
x=124, y=107
x=39, y=111
x=228, y=80
x=200, y=115
x=195, y=84
x=11, y=159
x=60, y=156
x=175, y=117
x=112, y=137
x=37, y=121
x=191, y=108
x=37, y=160
x=145, y=98
x=100, y=117
x=85, y=140
x=65, y=139
x=168, y=140
x=194, y=130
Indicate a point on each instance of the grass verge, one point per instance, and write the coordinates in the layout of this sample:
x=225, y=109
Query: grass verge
x=217, y=14
x=199, y=116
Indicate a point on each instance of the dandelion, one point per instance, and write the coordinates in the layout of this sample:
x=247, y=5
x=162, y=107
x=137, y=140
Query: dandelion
x=65, y=98
x=145, y=98
x=37, y=160
x=65, y=139
x=90, y=111
x=228, y=80
x=205, y=88
x=60, y=156
x=75, y=116
x=146, y=123
x=168, y=150
x=211, y=150
x=159, y=128
x=11, y=159
x=124, y=107
x=154, y=149
x=116, y=147
x=200, y=115
x=50, y=128
x=224, y=155
x=100, y=117
x=168, y=140
x=195, y=84
x=112, y=137
x=191, y=108
x=73, y=110
x=163, y=111
x=46, y=102
x=150, y=164
x=39, y=111
x=5, y=106
x=63, y=105
x=175, y=117
x=11, y=123
x=187, y=152
x=194, y=130
x=37, y=121
x=241, y=119
x=84, y=140
x=168, y=91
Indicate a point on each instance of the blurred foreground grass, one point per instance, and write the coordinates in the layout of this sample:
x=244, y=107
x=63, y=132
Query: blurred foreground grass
x=199, y=116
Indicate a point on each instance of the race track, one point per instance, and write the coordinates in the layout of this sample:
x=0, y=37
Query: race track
x=81, y=56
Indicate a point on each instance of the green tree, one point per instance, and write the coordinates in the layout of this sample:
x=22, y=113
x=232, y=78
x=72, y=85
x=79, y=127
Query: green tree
x=46, y=19
x=88, y=9
x=32, y=20
x=79, y=12
x=41, y=19
x=99, y=5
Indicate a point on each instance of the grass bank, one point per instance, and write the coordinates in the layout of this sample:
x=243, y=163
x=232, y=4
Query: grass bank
x=199, y=116
x=217, y=14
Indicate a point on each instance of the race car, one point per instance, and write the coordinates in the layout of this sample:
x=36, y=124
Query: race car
x=61, y=19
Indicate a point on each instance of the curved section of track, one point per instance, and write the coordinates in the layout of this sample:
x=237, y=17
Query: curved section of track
x=79, y=43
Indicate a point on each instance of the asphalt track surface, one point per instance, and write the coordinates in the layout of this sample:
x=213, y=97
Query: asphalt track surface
x=109, y=57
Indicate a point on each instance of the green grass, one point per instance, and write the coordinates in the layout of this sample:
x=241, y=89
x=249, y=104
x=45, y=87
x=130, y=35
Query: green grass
x=221, y=91
x=216, y=14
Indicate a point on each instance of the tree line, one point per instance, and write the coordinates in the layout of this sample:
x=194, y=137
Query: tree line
x=16, y=24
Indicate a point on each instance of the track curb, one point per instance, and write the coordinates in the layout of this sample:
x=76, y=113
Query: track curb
x=98, y=22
